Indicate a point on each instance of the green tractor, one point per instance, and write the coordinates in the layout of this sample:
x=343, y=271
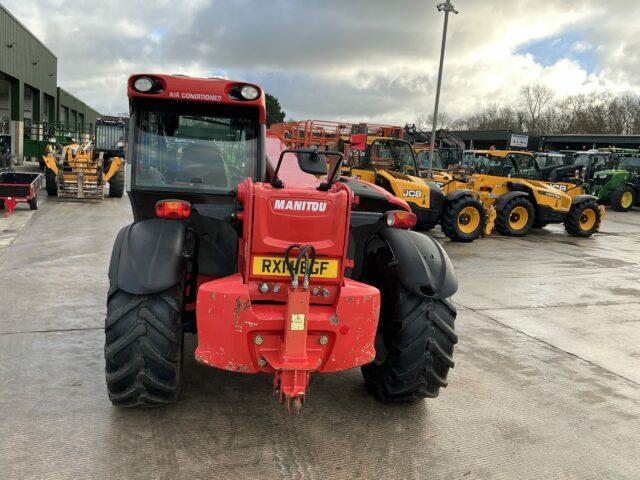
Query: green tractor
x=619, y=186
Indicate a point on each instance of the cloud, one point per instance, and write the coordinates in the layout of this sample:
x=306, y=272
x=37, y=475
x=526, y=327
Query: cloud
x=358, y=60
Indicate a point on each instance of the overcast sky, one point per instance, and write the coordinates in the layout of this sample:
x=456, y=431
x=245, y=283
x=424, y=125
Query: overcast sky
x=352, y=60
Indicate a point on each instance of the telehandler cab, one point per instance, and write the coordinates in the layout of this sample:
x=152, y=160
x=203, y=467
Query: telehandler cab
x=258, y=250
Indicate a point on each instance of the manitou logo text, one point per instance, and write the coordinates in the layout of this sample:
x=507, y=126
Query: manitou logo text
x=300, y=206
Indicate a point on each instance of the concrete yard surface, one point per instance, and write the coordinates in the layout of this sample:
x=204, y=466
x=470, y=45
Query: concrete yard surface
x=546, y=383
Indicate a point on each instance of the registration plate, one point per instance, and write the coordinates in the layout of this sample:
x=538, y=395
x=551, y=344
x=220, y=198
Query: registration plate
x=276, y=267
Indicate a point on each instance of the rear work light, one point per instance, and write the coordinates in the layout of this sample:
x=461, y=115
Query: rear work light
x=173, y=209
x=148, y=85
x=401, y=219
x=143, y=84
x=249, y=92
x=243, y=92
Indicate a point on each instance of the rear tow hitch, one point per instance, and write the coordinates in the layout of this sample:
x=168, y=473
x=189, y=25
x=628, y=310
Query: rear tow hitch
x=292, y=376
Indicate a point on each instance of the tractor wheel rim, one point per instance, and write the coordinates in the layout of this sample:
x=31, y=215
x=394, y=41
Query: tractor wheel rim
x=468, y=220
x=587, y=219
x=518, y=218
x=627, y=199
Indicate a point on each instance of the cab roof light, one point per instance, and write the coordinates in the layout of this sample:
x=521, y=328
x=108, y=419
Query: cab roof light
x=173, y=209
x=244, y=92
x=148, y=85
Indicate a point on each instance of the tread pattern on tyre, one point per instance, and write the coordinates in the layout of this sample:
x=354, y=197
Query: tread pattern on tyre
x=450, y=219
x=616, y=198
x=143, y=348
x=418, y=338
x=572, y=222
x=502, y=218
x=116, y=184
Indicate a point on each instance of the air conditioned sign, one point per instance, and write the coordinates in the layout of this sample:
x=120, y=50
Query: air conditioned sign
x=519, y=141
x=205, y=97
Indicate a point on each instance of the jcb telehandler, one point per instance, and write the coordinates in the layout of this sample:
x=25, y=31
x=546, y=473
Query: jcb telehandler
x=522, y=203
x=80, y=171
x=391, y=164
x=274, y=265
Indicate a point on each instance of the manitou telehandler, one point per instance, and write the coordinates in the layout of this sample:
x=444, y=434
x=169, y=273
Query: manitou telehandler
x=273, y=264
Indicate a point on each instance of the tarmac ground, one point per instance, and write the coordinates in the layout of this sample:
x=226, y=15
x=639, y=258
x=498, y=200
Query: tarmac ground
x=546, y=382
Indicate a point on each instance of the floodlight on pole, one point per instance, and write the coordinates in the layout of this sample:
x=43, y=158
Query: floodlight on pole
x=446, y=7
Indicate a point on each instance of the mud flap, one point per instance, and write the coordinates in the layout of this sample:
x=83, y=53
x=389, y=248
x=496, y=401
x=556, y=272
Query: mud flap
x=423, y=266
x=147, y=257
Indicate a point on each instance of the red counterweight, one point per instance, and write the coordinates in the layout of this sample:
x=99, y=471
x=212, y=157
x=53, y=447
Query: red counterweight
x=262, y=320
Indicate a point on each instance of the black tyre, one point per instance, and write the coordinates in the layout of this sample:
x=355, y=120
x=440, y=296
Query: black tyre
x=464, y=219
x=52, y=187
x=515, y=218
x=623, y=198
x=584, y=219
x=33, y=203
x=116, y=183
x=414, y=344
x=143, y=348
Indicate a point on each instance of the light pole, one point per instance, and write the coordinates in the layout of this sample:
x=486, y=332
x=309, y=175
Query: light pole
x=447, y=7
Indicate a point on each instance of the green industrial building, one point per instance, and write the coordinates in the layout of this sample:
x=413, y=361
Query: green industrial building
x=32, y=106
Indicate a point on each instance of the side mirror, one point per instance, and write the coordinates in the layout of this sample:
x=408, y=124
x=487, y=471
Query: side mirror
x=312, y=162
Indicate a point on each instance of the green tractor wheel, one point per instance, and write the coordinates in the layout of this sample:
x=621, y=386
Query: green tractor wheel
x=623, y=198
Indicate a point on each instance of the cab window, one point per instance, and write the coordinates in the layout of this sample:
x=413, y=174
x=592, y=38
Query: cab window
x=525, y=165
x=629, y=163
x=391, y=155
x=491, y=165
x=194, y=147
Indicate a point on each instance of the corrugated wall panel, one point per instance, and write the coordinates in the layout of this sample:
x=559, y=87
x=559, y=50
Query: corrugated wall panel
x=19, y=60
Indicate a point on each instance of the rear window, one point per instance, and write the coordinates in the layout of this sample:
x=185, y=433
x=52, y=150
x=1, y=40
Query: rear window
x=194, y=147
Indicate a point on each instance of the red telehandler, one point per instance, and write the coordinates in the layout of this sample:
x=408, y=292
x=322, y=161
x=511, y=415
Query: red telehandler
x=276, y=264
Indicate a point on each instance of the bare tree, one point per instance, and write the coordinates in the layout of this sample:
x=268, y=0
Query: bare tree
x=425, y=123
x=535, y=99
x=594, y=113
